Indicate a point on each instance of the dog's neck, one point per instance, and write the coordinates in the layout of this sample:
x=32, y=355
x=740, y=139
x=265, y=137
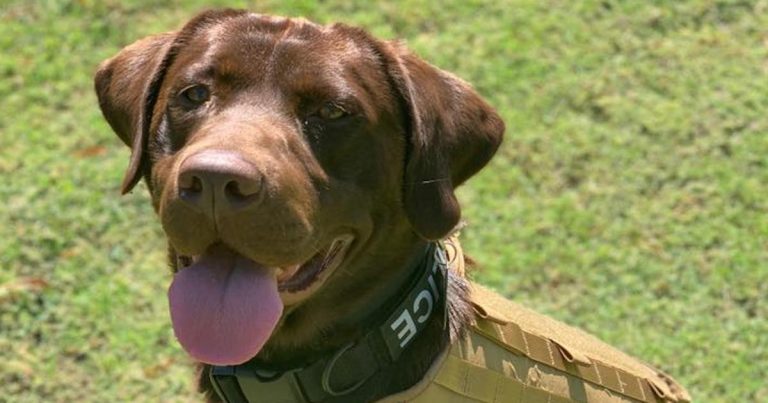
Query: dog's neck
x=442, y=327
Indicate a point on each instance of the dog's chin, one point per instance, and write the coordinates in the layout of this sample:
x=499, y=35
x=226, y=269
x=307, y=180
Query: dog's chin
x=297, y=282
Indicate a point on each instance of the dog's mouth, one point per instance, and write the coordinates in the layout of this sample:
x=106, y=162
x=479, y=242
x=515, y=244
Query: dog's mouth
x=224, y=306
x=298, y=278
x=301, y=277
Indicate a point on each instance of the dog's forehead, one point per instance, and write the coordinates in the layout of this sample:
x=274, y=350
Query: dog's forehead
x=254, y=47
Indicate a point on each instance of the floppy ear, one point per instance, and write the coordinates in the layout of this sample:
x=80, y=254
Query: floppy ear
x=127, y=87
x=453, y=133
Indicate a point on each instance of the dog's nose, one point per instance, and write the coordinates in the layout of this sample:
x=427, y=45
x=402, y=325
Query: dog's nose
x=218, y=182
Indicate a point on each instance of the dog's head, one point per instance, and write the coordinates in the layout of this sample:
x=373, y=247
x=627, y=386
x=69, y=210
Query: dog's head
x=294, y=167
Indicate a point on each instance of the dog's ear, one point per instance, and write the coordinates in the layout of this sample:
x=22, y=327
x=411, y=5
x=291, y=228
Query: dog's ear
x=452, y=134
x=127, y=87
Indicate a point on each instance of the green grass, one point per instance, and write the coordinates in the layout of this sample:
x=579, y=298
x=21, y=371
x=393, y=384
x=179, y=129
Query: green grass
x=629, y=197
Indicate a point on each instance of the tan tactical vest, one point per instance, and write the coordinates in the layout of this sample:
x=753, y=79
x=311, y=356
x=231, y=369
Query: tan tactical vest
x=512, y=354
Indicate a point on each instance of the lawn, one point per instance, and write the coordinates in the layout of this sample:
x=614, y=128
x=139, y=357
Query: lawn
x=629, y=197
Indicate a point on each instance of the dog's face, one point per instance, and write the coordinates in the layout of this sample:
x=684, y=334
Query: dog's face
x=290, y=165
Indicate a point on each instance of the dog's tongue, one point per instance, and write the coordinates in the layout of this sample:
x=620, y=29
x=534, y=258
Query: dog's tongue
x=224, y=307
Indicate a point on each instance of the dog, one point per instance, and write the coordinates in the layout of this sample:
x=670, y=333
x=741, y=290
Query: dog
x=304, y=176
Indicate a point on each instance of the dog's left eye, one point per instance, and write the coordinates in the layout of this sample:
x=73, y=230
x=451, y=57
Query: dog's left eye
x=331, y=111
x=196, y=94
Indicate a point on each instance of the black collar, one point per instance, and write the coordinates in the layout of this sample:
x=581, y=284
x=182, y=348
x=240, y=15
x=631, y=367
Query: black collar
x=334, y=377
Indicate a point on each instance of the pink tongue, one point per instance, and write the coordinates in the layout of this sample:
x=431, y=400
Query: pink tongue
x=224, y=307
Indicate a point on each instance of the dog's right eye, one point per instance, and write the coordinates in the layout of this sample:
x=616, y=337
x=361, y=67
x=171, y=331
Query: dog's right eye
x=195, y=95
x=332, y=111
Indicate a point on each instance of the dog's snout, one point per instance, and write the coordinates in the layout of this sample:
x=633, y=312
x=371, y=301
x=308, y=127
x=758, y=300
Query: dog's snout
x=218, y=182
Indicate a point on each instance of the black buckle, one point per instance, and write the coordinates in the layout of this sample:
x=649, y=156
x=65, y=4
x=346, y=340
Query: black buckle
x=224, y=381
x=244, y=383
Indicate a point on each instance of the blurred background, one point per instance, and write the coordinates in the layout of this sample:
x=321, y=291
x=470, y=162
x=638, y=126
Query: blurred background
x=629, y=197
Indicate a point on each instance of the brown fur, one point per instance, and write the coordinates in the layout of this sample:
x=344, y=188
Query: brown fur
x=386, y=172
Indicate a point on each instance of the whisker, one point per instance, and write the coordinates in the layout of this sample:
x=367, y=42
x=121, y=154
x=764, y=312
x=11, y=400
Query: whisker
x=428, y=181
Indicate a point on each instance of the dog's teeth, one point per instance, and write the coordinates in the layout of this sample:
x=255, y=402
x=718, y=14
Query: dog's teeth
x=284, y=273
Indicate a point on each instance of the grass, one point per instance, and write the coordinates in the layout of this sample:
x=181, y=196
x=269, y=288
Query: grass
x=629, y=197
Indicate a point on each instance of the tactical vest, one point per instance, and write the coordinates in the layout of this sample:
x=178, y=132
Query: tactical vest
x=513, y=354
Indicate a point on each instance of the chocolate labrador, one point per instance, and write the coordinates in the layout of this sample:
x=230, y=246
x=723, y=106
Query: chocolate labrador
x=301, y=174
x=304, y=176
